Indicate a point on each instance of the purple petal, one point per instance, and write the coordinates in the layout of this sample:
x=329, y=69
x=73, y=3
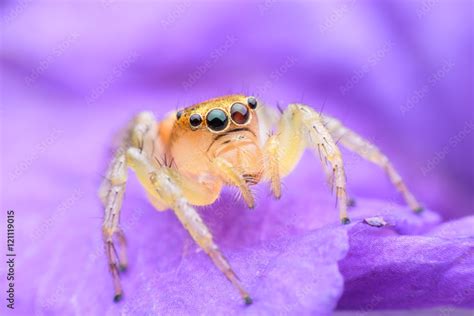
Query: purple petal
x=169, y=275
x=386, y=270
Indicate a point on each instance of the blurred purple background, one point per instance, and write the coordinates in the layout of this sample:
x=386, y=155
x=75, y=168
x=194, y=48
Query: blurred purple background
x=398, y=72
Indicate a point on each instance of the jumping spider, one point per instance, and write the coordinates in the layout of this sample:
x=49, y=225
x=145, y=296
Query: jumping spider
x=224, y=141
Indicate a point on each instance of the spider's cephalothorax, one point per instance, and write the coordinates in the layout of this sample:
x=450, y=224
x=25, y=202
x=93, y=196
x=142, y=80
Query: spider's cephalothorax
x=186, y=159
x=223, y=134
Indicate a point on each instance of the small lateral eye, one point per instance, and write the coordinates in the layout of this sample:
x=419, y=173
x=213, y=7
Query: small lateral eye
x=252, y=102
x=195, y=120
x=179, y=114
x=217, y=120
x=239, y=113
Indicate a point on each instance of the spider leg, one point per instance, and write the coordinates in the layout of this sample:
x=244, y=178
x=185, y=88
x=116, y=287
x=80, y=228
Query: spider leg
x=370, y=152
x=301, y=127
x=272, y=164
x=111, y=193
x=162, y=183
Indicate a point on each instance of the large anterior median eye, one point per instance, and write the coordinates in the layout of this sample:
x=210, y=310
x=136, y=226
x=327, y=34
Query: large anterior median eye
x=217, y=120
x=239, y=113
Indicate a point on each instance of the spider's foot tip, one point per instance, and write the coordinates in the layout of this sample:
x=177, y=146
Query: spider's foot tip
x=345, y=221
x=123, y=267
x=419, y=210
x=248, y=300
x=118, y=297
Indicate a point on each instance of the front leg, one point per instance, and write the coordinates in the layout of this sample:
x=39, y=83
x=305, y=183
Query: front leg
x=111, y=193
x=301, y=127
x=166, y=185
x=272, y=157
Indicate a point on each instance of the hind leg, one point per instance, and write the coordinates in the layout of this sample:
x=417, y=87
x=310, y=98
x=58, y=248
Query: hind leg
x=370, y=152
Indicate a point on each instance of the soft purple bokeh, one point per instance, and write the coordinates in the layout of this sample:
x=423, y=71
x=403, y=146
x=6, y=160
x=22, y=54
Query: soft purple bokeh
x=73, y=73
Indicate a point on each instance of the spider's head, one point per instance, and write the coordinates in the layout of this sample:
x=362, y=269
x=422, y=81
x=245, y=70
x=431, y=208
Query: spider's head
x=216, y=125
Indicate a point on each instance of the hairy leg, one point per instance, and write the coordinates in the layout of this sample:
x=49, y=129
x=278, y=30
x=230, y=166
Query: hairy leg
x=272, y=164
x=301, y=127
x=111, y=193
x=370, y=152
x=163, y=185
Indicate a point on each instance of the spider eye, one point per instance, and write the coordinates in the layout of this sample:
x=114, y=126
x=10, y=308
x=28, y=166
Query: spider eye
x=239, y=113
x=217, y=120
x=195, y=120
x=252, y=102
x=179, y=114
